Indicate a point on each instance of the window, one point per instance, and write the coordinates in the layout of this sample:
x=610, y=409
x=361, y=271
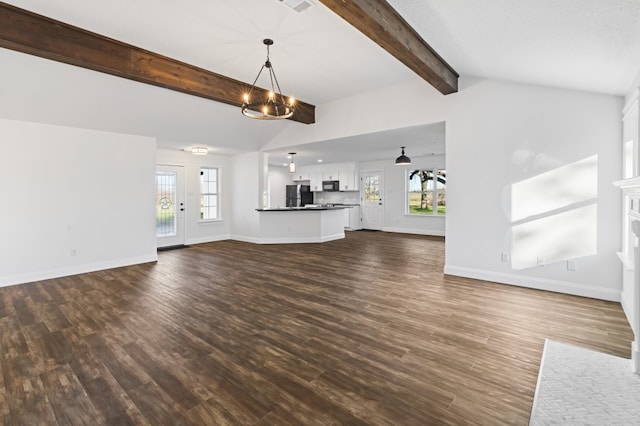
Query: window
x=209, y=194
x=372, y=189
x=424, y=189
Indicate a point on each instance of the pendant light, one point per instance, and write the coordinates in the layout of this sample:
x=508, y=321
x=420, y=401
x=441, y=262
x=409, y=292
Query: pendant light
x=292, y=165
x=403, y=160
x=274, y=106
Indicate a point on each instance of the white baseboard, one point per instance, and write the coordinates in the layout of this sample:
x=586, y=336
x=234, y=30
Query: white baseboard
x=302, y=240
x=244, y=239
x=212, y=239
x=74, y=270
x=433, y=232
x=536, y=283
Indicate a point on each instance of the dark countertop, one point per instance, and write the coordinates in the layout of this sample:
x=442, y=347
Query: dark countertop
x=303, y=209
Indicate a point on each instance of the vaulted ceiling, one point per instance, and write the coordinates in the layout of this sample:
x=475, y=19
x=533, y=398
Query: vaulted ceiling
x=591, y=45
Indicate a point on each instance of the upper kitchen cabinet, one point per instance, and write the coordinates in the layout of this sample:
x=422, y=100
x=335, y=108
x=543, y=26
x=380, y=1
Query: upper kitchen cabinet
x=348, y=176
x=301, y=174
x=315, y=178
x=330, y=172
x=346, y=173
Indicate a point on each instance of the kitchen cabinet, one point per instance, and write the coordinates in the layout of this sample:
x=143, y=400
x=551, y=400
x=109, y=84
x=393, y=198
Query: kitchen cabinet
x=346, y=173
x=348, y=176
x=354, y=218
x=301, y=174
x=329, y=172
x=315, y=179
x=287, y=226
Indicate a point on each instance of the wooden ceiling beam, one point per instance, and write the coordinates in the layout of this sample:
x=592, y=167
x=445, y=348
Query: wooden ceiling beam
x=381, y=23
x=41, y=36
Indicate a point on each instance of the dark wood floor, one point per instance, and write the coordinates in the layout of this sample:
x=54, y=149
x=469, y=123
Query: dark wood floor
x=365, y=330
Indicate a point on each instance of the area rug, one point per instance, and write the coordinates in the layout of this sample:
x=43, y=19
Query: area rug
x=578, y=386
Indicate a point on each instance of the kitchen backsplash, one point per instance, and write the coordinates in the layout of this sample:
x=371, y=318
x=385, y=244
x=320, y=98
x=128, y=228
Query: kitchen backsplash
x=349, y=197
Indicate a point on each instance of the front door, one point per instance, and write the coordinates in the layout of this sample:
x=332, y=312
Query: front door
x=170, y=206
x=372, y=207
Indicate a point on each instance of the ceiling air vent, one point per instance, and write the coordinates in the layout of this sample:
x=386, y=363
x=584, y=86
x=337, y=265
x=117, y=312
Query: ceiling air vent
x=297, y=5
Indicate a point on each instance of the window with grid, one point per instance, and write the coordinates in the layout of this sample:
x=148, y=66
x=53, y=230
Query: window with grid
x=427, y=192
x=209, y=193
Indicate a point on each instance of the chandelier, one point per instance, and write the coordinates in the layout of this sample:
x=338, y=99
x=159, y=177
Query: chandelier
x=274, y=107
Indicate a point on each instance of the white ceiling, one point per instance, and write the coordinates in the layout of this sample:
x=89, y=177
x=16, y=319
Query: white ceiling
x=591, y=45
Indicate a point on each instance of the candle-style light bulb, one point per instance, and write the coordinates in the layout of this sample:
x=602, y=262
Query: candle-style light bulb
x=291, y=101
x=264, y=110
x=270, y=95
x=246, y=98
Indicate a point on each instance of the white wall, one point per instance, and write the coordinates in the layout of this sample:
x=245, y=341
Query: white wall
x=248, y=190
x=632, y=92
x=197, y=231
x=394, y=198
x=279, y=178
x=74, y=201
x=498, y=134
x=411, y=103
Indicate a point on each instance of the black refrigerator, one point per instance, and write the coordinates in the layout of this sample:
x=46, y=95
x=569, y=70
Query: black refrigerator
x=299, y=195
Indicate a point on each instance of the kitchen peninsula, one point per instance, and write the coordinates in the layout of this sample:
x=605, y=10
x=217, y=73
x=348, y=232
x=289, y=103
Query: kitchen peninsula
x=301, y=225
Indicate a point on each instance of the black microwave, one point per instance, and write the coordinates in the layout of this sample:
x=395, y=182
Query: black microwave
x=330, y=185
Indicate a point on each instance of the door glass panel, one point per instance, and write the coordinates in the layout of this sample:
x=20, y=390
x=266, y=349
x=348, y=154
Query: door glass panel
x=166, y=183
x=371, y=189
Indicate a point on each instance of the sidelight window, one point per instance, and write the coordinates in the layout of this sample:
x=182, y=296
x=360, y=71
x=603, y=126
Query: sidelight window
x=427, y=192
x=209, y=193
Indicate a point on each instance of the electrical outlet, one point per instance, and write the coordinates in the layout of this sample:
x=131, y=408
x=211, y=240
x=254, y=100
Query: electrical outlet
x=540, y=261
x=572, y=266
x=504, y=257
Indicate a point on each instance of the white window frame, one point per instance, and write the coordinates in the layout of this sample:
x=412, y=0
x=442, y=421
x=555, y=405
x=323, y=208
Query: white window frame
x=203, y=194
x=434, y=191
